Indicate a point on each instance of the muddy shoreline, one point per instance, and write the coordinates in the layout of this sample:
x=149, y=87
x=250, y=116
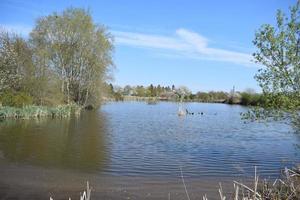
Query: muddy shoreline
x=30, y=182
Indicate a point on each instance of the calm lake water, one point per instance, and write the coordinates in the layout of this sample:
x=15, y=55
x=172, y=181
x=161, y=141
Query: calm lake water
x=133, y=139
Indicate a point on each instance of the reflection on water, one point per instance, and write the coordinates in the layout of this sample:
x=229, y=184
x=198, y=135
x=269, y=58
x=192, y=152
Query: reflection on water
x=73, y=143
x=136, y=139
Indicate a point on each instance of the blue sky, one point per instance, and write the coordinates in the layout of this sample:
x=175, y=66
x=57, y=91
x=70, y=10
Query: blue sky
x=204, y=45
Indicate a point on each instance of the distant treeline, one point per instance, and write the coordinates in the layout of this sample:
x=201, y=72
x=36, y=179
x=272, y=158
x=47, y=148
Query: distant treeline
x=182, y=93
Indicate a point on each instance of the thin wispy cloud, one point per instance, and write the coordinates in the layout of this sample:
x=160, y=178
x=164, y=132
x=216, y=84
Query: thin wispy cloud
x=184, y=43
x=147, y=40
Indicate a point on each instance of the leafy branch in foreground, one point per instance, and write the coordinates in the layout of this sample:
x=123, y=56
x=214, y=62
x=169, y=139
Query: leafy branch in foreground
x=278, y=50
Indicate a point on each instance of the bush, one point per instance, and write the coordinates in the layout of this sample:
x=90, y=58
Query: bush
x=16, y=99
x=118, y=96
x=251, y=99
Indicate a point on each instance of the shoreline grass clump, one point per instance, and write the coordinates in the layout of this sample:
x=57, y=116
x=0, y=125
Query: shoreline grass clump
x=285, y=188
x=86, y=195
x=32, y=111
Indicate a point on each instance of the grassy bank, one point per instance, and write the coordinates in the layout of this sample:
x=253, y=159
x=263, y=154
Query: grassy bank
x=283, y=188
x=33, y=111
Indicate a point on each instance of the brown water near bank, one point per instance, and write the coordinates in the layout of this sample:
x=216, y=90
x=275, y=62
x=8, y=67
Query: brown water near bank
x=19, y=182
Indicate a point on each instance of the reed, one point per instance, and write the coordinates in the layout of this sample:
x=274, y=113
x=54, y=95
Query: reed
x=285, y=188
x=86, y=195
x=33, y=111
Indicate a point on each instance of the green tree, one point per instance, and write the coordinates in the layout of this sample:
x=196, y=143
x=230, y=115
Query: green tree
x=111, y=88
x=151, y=90
x=278, y=50
x=203, y=96
x=168, y=89
x=173, y=87
x=140, y=90
x=127, y=90
x=183, y=92
x=76, y=50
x=15, y=62
x=16, y=70
x=158, y=90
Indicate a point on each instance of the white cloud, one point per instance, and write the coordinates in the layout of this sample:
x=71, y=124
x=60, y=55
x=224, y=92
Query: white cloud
x=192, y=38
x=184, y=43
x=152, y=41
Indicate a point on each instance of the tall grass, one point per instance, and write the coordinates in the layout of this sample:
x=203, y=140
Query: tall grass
x=32, y=111
x=86, y=195
x=285, y=188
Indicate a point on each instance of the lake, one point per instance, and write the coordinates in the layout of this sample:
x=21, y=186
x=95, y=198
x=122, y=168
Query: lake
x=135, y=150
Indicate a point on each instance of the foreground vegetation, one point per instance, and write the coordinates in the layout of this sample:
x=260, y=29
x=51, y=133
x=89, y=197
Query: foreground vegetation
x=65, y=60
x=278, y=50
x=287, y=187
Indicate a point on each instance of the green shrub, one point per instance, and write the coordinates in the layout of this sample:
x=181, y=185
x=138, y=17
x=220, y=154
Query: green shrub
x=118, y=96
x=246, y=98
x=250, y=99
x=16, y=99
